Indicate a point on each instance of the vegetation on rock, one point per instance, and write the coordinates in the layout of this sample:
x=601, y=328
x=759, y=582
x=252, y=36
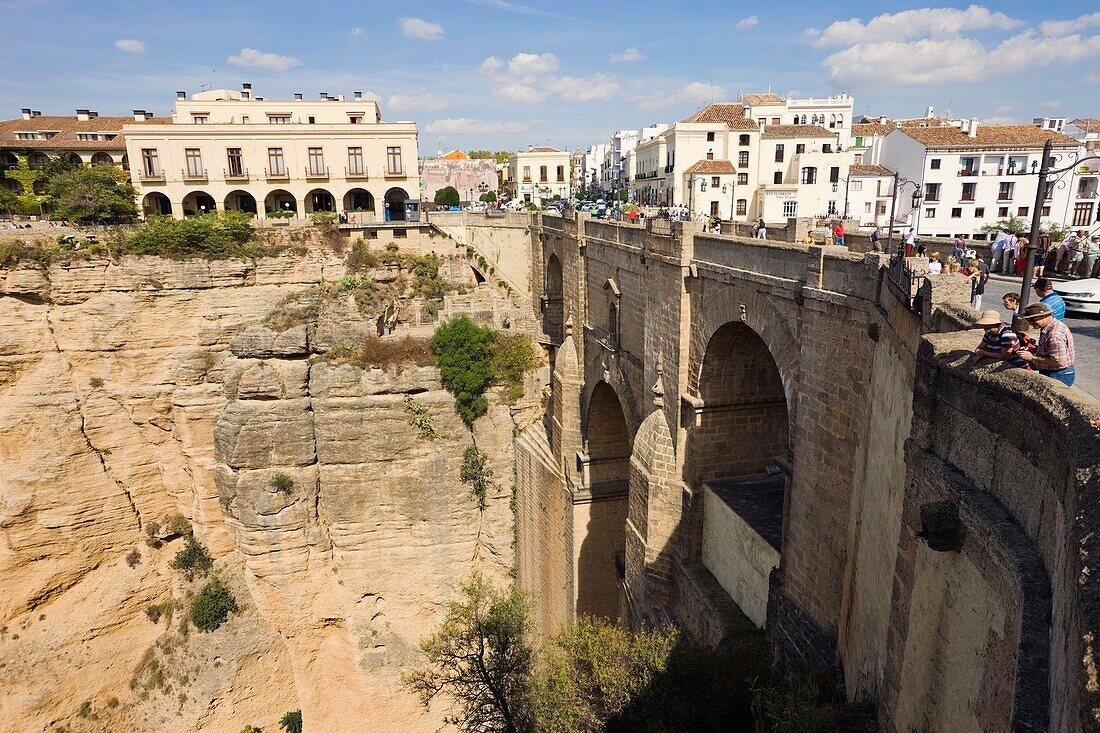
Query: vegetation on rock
x=217, y=235
x=92, y=194
x=193, y=558
x=292, y=722
x=133, y=557
x=282, y=483
x=476, y=474
x=212, y=606
x=421, y=419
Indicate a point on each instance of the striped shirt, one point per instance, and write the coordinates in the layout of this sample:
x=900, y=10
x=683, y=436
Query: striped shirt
x=1056, y=342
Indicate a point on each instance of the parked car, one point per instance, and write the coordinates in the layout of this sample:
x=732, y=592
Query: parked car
x=477, y=206
x=1082, y=296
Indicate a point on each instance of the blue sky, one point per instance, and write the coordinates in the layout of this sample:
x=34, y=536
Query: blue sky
x=502, y=74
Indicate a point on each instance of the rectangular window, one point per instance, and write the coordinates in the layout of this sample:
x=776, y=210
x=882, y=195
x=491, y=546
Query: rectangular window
x=742, y=179
x=790, y=208
x=200, y=119
x=1002, y=211
x=526, y=174
x=743, y=140
x=355, y=161
x=1082, y=214
x=236, y=162
x=777, y=177
x=194, y=161
x=150, y=163
x=1004, y=191
x=316, y=162
x=968, y=191
x=827, y=148
x=561, y=174
x=867, y=208
x=956, y=213
x=931, y=192
x=935, y=164
x=278, y=119
x=799, y=148
x=742, y=207
x=714, y=208
x=312, y=120
x=743, y=158
x=355, y=119
x=1022, y=211
x=979, y=212
x=276, y=164
x=834, y=175
x=715, y=181
x=710, y=137
x=393, y=160
x=929, y=213
x=831, y=208
x=809, y=176
x=542, y=174
x=859, y=141
x=855, y=185
x=775, y=120
x=1045, y=211
x=779, y=153
x=244, y=119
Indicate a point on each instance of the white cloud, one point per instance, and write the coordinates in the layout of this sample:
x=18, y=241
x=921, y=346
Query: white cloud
x=356, y=32
x=694, y=94
x=528, y=65
x=1052, y=104
x=936, y=22
x=1066, y=27
x=130, y=45
x=584, y=89
x=510, y=7
x=630, y=54
x=1005, y=109
x=254, y=59
x=465, y=126
x=491, y=64
x=422, y=29
x=521, y=93
x=423, y=101
x=747, y=23
x=1000, y=120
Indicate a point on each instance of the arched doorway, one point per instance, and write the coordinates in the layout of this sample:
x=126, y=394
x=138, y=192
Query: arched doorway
x=553, y=301
x=358, y=200
x=156, y=203
x=8, y=161
x=280, y=201
x=739, y=463
x=395, y=204
x=75, y=160
x=240, y=201
x=102, y=158
x=319, y=200
x=198, y=202
x=601, y=556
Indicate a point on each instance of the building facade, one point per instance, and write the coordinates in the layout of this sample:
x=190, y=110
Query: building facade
x=228, y=150
x=470, y=177
x=538, y=174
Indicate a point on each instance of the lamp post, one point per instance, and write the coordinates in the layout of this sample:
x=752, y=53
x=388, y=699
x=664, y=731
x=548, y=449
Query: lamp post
x=1036, y=215
x=900, y=182
x=845, y=195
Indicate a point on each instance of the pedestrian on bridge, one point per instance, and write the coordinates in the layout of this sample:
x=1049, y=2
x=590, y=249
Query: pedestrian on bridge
x=1054, y=356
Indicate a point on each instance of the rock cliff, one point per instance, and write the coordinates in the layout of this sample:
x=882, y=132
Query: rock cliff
x=136, y=389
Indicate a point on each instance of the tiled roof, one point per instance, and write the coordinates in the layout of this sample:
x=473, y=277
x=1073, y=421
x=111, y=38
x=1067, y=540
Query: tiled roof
x=768, y=98
x=731, y=115
x=712, y=166
x=869, y=170
x=455, y=155
x=787, y=132
x=544, y=149
x=67, y=129
x=867, y=129
x=1090, y=123
x=987, y=136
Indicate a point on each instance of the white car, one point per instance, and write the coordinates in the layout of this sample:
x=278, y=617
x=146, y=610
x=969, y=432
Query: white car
x=1081, y=296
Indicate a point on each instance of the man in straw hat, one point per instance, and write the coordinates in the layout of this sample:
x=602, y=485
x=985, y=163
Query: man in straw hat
x=1055, y=356
x=999, y=342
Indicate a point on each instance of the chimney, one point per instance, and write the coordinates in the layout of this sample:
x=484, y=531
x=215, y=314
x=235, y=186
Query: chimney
x=297, y=96
x=882, y=120
x=340, y=97
x=246, y=91
x=324, y=96
x=82, y=115
x=148, y=115
x=930, y=112
x=139, y=115
x=93, y=115
x=972, y=131
x=26, y=113
x=36, y=113
x=181, y=95
x=358, y=96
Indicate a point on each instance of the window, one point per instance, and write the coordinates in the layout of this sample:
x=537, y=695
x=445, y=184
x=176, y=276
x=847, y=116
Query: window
x=200, y=119
x=1082, y=214
x=542, y=174
x=968, y=167
x=743, y=140
x=867, y=208
x=316, y=161
x=715, y=181
x=312, y=120
x=150, y=163
x=931, y=192
x=393, y=160
x=929, y=213
x=526, y=174
x=1004, y=192
x=1022, y=211
x=1049, y=193
x=979, y=212
x=809, y=175
x=934, y=164
x=775, y=120
x=956, y=213
x=968, y=191
x=1002, y=211
x=743, y=158
x=742, y=179
x=710, y=137
x=355, y=119
x=790, y=208
x=613, y=322
x=561, y=174
x=803, y=122
x=831, y=211
x=742, y=207
x=855, y=185
x=278, y=119
x=86, y=136
x=714, y=208
x=859, y=141
x=834, y=175
x=779, y=153
x=827, y=148
x=710, y=155
x=27, y=135
x=355, y=161
x=777, y=177
x=761, y=121
x=244, y=119
x=275, y=162
x=1045, y=211
x=236, y=162
x=799, y=148
x=832, y=121
x=194, y=161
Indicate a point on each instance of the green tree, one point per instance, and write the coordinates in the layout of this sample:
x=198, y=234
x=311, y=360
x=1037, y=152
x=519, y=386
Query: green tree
x=480, y=658
x=1012, y=225
x=27, y=201
x=292, y=722
x=447, y=196
x=499, y=156
x=91, y=193
x=193, y=558
x=463, y=350
x=488, y=197
x=212, y=606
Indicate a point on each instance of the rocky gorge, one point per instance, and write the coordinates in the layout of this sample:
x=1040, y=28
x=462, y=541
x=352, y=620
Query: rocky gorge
x=137, y=390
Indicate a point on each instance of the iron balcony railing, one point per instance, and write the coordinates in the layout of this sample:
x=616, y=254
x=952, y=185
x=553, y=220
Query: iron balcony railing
x=903, y=283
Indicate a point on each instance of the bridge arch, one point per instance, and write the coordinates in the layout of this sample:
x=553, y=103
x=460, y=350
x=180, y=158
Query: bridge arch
x=553, y=300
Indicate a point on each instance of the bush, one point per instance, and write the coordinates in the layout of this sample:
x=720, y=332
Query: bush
x=85, y=709
x=217, y=235
x=112, y=702
x=488, y=197
x=512, y=356
x=325, y=219
x=133, y=557
x=462, y=349
x=783, y=710
x=447, y=196
x=177, y=526
x=421, y=419
x=212, y=606
x=95, y=382
x=292, y=722
x=282, y=483
x=476, y=474
x=156, y=610
x=193, y=558
x=361, y=257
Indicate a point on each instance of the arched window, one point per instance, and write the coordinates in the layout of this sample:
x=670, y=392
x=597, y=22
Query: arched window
x=809, y=175
x=613, y=322
x=832, y=121
x=840, y=120
x=803, y=119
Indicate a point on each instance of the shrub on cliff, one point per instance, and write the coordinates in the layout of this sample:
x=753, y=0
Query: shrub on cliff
x=462, y=350
x=193, y=558
x=292, y=722
x=216, y=235
x=92, y=193
x=212, y=606
x=512, y=356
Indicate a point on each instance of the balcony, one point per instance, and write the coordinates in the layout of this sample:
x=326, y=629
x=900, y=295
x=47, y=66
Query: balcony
x=527, y=179
x=966, y=199
x=239, y=175
x=151, y=176
x=316, y=174
x=193, y=175
x=968, y=173
x=396, y=173
x=1086, y=194
x=359, y=173
x=279, y=174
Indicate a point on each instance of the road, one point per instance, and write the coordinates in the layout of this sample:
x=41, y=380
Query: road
x=1085, y=328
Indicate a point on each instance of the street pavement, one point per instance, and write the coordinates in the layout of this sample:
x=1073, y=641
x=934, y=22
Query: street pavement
x=1085, y=328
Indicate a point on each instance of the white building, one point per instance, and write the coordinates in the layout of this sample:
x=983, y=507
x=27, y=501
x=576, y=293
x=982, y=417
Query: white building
x=538, y=174
x=1086, y=191
x=226, y=149
x=592, y=173
x=973, y=175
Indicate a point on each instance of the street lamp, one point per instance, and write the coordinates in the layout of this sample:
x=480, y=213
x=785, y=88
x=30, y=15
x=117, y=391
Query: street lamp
x=845, y=194
x=900, y=182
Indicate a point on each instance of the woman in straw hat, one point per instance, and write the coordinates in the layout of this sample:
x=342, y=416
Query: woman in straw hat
x=999, y=342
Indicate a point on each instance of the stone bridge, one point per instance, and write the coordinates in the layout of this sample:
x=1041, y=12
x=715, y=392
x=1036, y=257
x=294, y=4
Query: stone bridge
x=741, y=427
